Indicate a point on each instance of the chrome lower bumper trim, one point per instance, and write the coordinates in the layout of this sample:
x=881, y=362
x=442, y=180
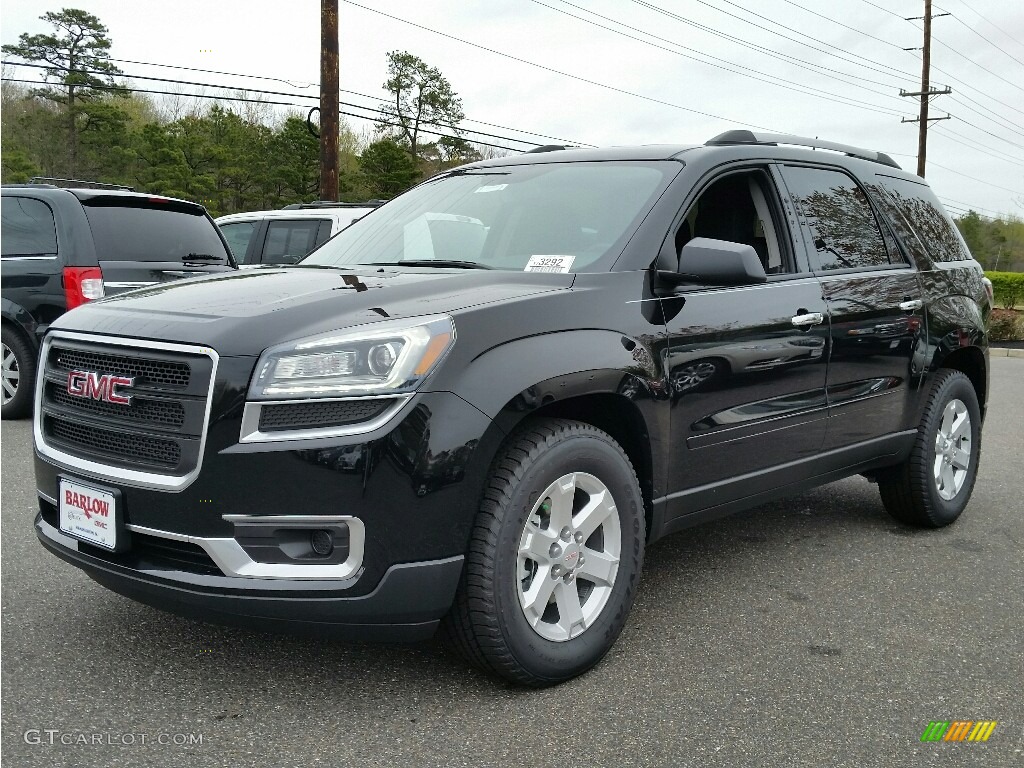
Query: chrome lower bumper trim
x=235, y=561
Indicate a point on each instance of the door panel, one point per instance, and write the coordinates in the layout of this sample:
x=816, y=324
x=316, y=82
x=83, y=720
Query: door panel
x=873, y=362
x=874, y=302
x=747, y=385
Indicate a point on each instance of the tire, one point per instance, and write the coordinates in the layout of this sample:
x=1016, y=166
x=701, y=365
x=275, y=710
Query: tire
x=18, y=377
x=525, y=501
x=928, y=491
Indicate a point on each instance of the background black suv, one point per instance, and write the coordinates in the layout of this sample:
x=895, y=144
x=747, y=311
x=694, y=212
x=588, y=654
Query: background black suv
x=63, y=247
x=480, y=404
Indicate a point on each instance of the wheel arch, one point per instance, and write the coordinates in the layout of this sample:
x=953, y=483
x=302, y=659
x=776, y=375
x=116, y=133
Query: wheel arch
x=973, y=363
x=19, y=319
x=609, y=411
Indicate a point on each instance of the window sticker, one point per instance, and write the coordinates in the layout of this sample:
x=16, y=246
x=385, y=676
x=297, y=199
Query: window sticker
x=560, y=264
x=489, y=188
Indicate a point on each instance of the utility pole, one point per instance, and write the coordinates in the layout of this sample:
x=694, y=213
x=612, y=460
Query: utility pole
x=329, y=100
x=926, y=91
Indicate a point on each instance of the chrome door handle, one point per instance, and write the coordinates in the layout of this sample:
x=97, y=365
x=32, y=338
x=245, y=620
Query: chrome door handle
x=910, y=306
x=811, y=318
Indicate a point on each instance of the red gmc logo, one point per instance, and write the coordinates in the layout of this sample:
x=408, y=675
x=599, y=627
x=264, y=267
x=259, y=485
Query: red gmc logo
x=90, y=384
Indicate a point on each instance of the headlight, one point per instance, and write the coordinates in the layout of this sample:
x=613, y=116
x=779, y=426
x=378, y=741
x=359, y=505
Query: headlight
x=393, y=356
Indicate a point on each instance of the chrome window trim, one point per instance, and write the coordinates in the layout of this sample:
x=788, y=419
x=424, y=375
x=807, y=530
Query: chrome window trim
x=130, y=283
x=251, y=433
x=106, y=472
x=29, y=258
x=235, y=561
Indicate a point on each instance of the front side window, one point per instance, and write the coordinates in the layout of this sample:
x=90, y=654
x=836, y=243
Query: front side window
x=502, y=217
x=843, y=228
x=738, y=208
x=28, y=228
x=238, y=234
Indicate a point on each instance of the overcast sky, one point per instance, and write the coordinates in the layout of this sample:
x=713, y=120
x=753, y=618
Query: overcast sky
x=976, y=159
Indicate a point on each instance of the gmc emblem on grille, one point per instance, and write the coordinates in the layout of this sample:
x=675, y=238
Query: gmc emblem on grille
x=91, y=384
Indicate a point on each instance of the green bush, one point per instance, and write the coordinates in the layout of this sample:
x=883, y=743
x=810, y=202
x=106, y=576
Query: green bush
x=1006, y=325
x=1008, y=287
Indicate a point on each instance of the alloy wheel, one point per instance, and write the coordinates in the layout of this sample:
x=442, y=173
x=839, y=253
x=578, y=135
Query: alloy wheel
x=569, y=556
x=952, y=449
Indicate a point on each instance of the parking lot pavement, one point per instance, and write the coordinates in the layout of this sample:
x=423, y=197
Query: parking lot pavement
x=810, y=632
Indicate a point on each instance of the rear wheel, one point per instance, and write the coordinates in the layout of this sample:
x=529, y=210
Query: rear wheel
x=932, y=487
x=555, y=556
x=17, y=375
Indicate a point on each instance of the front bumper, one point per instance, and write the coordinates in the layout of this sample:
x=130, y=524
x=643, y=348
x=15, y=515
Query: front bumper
x=407, y=603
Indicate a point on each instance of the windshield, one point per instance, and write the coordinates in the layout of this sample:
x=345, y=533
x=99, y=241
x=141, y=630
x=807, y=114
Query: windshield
x=556, y=217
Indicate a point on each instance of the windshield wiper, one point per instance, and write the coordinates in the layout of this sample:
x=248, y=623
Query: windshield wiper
x=202, y=257
x=431, y=263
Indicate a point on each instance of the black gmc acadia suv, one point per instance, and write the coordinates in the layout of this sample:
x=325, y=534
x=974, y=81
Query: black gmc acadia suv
x=66, y=245
x=475, y=408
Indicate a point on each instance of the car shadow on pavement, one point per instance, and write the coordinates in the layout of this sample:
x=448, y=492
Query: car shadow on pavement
x=677, y=569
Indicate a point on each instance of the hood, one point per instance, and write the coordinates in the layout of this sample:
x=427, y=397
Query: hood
x=242, y=313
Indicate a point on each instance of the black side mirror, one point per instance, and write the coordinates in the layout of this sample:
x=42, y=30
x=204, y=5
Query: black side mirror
x=718, y=262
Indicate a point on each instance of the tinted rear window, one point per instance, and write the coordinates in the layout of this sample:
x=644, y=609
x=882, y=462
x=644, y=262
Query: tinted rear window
x=151, y=234
x=922, y=212
x=28, y=228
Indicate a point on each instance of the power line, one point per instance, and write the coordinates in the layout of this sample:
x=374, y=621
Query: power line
x=873, y=37
x=1001, y=125
x=991, y=24
x=891, y=13
x=956, y=79
x=980, y=66
x=845, y=26
x=971, y=206
x=976, y=32
x=273, y=103
x=982, y=148
x=980, y=181
x=278, y=93
x=304, y=84
x=798, y=41
x=937, y=69
x=557, y=71
x=787, y=84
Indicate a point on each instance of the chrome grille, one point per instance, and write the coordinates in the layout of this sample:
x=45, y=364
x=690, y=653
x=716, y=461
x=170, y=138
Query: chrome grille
x=137, y=449
x=166, y=412
x=159, y=433
x=152, y=372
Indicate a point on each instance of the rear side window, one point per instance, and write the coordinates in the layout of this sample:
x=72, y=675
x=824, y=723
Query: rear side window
x=124, y=233
x=289, y=241
x=238, y=234
x=922, y=214
x=28, y=228
x=843, y=227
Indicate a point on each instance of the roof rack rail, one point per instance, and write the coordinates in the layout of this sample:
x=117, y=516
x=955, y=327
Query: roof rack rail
x=548, y=148
x=774, y=139
x=331, y=204
x=55, y=182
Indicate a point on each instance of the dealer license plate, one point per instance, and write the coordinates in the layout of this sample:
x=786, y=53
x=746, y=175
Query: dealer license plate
x=88, y=514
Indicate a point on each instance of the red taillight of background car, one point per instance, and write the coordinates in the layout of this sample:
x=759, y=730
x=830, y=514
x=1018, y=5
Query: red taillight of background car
x=82, y=284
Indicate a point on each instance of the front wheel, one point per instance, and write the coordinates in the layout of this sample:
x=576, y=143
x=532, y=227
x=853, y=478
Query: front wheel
x=932, y=487
x=554, y=558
